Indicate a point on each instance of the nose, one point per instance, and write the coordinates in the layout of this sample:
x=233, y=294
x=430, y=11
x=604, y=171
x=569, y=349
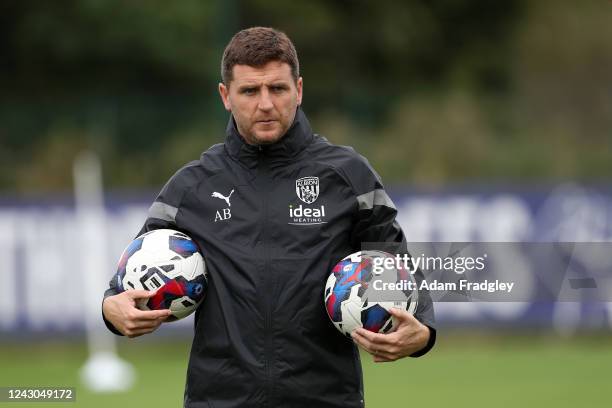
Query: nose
x=265, y=102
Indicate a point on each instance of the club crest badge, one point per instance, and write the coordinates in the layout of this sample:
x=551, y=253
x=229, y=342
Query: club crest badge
x=307, y=189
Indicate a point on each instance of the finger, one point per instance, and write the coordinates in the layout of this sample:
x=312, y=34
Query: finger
x=132, y=327
x=139, y=332
x=402, y=316
x=149, y=321
x=367, y=345
x=363, y=342
x=377, y=338
x=373, y=349
x=380, y=359
x=151, y=326
x=146, y=324
x=147, y=315
x=140, y=294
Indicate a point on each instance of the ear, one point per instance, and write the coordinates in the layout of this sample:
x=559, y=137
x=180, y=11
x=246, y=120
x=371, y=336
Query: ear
x=224, y=92
x=299, y=91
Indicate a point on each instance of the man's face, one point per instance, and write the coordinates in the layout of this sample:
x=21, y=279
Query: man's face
x=262, y=100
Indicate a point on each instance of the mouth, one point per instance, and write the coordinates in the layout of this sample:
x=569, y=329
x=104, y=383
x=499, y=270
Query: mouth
x=266, y=121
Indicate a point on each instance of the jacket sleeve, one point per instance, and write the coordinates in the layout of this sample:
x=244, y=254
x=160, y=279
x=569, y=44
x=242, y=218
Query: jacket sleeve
x=376, y=223
x=162, y=214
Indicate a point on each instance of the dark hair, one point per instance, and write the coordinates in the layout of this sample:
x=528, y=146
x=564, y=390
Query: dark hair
x=256, y=46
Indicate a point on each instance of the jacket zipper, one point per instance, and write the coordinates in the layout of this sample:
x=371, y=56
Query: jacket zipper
x=268, y=281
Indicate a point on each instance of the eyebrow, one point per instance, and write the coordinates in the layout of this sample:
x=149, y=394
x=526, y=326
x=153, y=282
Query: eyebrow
x=279, y=83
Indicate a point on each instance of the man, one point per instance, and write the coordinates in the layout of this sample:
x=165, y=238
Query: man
x=273, y=209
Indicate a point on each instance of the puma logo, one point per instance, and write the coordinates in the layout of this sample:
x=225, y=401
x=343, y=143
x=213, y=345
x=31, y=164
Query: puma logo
x=221, y=196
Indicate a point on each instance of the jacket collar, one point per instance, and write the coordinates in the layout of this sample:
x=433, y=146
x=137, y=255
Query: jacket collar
x=295, y=140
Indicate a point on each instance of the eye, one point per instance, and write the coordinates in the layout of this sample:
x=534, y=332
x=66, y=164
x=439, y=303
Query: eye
x=248, y=91
x=277, y=88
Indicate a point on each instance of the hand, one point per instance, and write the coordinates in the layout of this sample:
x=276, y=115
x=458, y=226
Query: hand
x=409, y=337
x=121, y=311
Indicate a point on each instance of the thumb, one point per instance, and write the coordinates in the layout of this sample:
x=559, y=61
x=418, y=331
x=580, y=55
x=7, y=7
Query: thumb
x=401, y=315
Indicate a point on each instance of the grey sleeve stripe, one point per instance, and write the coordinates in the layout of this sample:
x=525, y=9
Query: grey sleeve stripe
x=379, y=196
x=163, y=211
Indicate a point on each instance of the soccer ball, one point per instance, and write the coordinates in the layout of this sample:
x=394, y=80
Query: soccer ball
x=353, y=299
x=167, y=261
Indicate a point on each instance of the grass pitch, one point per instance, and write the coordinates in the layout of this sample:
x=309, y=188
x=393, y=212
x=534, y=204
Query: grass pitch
x=462, y=371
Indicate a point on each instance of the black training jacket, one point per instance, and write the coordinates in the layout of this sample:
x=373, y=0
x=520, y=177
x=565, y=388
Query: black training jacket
x=282, y=216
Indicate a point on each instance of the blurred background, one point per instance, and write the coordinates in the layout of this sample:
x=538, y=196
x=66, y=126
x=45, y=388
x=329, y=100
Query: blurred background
x=488, y=121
